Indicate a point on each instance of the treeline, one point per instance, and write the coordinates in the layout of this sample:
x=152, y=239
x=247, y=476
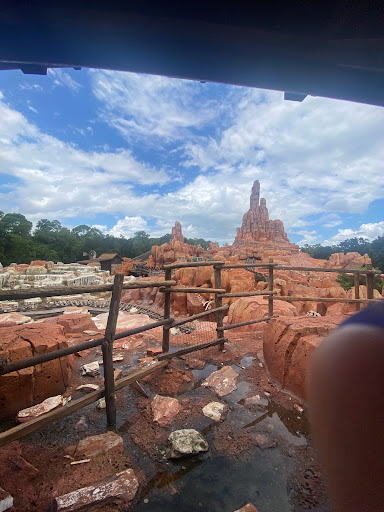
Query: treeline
x=52, y=242
x=374, y=249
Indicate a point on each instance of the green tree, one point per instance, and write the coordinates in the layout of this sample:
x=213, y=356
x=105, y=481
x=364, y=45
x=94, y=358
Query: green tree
x=15, y=223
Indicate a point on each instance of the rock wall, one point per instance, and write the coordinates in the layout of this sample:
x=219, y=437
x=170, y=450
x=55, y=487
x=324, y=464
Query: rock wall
x=22, y=389
x=288, y=345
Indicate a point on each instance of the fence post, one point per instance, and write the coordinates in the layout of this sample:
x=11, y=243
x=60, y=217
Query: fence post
x=167, y=312
x=369, y=281
x=107, y=347
x=270, y=288
x=219, y=303
x=356, y=281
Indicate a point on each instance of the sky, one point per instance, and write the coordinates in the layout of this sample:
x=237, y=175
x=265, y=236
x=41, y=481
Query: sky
x=127, y=152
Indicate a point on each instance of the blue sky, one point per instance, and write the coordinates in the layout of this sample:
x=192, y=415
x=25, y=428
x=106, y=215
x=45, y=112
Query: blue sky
x=128, y=152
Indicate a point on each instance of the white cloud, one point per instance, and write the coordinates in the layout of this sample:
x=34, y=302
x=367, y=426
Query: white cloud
x=149, y=106
x=55, y=179
x=312, y=157
x=369, y=231
x=63, y=79
x=309, y=237
x=128, y=226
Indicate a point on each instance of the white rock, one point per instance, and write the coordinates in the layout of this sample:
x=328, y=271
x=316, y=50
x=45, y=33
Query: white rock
x=101, y=404
x=91, y=369
x=35, y=411
x=214, y=410
x=88, y=388
x=187, y=441
x=6, y=500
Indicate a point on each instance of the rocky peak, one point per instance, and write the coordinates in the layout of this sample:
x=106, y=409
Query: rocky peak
x=256, y=225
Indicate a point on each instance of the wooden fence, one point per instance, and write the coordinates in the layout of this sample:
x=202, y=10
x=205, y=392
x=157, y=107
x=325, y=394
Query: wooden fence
x=167, y=286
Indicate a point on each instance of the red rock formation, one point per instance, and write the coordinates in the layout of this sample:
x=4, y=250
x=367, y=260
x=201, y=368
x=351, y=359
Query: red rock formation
x=256, y=225
x=22, y=389
x=175, y=250
x=289, y=344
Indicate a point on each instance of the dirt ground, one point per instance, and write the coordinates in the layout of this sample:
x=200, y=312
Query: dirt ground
x=275, y=423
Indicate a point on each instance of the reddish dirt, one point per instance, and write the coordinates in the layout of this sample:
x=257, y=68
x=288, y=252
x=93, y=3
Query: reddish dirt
x=144, y=439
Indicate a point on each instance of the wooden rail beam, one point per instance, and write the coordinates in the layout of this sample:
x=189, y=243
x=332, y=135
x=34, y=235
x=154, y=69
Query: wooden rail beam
x=187, y=264
x=257, y=321
x=43, y=358
x=52, y=291
x=195, y=348
x=337, y=270
x=31, y=426
x=356, y=282
x=197, y=316
x=247, y=294
x=291, y=298
x=250, y=265
x=270, y=288
x=192, y=290
x=107, y=347
x=167, y=310
x=219, y=303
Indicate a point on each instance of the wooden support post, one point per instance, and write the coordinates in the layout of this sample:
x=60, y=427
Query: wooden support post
x=369, y=281
x=356, y=280
x=219, y=303
x=167, y=311
x=107, y=346
x=270, y=288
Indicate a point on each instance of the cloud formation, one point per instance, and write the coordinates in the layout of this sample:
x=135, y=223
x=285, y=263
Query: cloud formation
x=191, y=153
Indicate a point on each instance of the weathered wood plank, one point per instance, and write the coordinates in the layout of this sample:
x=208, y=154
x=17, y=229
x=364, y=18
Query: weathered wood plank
x=247, y=294
x=195, y=348
x=197, y=316
x=219, y=303
x=53, y=291
x=167, y=310
x=356, y=283
x=323, y=299
x=197, y=289
x=257, y=321
x=337, y=270
x=107, y=347
x=270, y=288
x=183, y=264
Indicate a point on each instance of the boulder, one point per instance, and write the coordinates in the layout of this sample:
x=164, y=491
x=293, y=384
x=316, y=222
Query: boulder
x=164, y=409
x=222, y=381
x=214, y=410
x=251, y=308
x=125, y=320
x=187, y=441
x=36, y=270
x=93, y=446
x=38, y=410
x=22, y=389
x=73, y=323
x=6, y=500
x=90, y=369
x=118, y=490
x=247, y=508
x=13, y=318
x=289, y=344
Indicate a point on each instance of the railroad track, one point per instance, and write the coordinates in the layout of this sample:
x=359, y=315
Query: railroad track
x=98, y=304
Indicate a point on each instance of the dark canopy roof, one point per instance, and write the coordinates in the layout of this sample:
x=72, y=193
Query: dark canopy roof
x=331, y=48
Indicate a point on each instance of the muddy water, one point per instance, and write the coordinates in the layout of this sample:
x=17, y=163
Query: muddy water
x=220, y=484
x=212, y=482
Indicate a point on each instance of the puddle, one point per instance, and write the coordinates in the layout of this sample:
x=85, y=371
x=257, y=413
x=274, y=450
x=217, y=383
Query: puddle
x=204, y=373
x=240, y=393
x=247, y=361
x=221, y=484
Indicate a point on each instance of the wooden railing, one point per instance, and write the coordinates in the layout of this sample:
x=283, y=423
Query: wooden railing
x=168, y=287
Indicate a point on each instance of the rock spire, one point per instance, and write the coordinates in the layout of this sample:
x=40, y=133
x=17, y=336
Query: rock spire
x=256, y=225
